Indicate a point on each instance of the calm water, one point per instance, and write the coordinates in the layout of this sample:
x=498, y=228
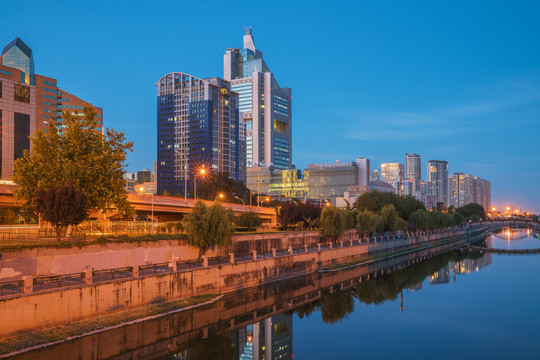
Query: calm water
x=454, y=306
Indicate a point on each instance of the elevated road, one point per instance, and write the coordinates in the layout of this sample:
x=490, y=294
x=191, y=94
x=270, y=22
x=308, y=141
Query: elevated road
x=164, y=208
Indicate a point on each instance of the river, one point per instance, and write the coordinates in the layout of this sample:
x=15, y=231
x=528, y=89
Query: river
x=461, y=304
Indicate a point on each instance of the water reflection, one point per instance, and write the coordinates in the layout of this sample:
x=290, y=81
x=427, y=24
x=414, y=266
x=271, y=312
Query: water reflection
x=258, y=323
x=272, y=338
x=509, y=238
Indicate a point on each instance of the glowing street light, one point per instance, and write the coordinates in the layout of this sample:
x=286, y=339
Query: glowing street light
x=201, y=173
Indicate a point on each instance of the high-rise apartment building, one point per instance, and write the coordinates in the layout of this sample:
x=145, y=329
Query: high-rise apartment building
x=392, y=173
x=198, y=126
x=374, y=175
x=413, y=171
x=265, y=107
x=437, y=176
x=466, y=189
x=28, y=103
x=461, y=190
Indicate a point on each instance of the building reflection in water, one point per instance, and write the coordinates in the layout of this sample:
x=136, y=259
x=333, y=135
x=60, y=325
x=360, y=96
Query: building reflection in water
x=270, y=339
x=465, y=266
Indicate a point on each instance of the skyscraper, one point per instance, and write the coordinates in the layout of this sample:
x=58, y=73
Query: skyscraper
x=198, y=125
x=461, y=189
x=437, y=176
x=413, y=171
x=265, y=107
x=28, y=103
x=392, y=173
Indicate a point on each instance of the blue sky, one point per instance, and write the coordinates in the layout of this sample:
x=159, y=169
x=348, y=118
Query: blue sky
x=453, y=80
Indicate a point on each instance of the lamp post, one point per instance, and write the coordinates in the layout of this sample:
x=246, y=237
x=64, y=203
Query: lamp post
x=141, y=189
x=242, y=202
x=185, y=173
x=202, y=173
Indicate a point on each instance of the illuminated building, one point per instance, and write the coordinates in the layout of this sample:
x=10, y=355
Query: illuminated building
x=392, y=173
x=198, y=126
x=319, y=181
x=413, y=171
x=28, y=103
x=265, y=107
x=374, y=175
x=437, y=176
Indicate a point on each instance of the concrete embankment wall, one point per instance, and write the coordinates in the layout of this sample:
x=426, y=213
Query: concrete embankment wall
x=59, y=261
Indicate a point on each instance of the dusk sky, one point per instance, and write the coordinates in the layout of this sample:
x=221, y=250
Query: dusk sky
x=453, y=80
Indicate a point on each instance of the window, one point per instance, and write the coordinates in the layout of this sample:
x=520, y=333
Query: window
x=22, y=94
x=22, y=133
x=49, y=83
x=0, y=94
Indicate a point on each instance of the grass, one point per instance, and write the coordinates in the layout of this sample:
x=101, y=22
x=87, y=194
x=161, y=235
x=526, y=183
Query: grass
x=78, y=328
x=16, y=245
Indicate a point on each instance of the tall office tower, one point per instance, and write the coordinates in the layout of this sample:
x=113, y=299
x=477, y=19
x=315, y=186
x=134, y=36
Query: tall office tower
x=374, y=175
x=392, y=173
x=198, y=125
x=413, y=171
x=265, y=107
x=437, y=176
x=461, y=190
x=28, y=103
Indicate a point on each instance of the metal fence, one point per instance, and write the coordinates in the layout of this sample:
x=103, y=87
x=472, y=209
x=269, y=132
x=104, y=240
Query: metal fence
x=11, y=287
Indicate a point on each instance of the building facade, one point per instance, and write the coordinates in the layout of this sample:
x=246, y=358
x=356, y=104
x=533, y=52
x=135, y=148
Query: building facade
x=319, y=181
x=28, y=103
x=413, y=171
x=392, y=173
x=198, y=126
x=374, y=175
x=265, y=107
x=437, y=176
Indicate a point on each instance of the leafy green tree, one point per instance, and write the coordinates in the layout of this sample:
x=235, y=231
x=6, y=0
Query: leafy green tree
x=392, y=220
x=333, y=221
x=61, y=206
x=350, y=219
x=93, y=162
x=220, y=182
x=374, y=201
x=472, y=211
x=208, y=226
x=420, y=220
x=248, y=220
x=368, y=222
x=291, y=213
x=458, y=219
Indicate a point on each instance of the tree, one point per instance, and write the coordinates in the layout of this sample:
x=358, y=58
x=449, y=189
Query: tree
x=420, y=220
x=208, y=226
x=333, y=221
x=472, y=211
x=291, y=213
x=392, y=221
x=220, y=182
x=248, y=220
x=374, y=201
x=92, y=162
x=368, y=222
x=61, y=206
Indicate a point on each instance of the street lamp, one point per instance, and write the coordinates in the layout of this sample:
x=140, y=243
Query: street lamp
x=220, y=196
x=243, y=202
x=142, y=189
x=201, y=173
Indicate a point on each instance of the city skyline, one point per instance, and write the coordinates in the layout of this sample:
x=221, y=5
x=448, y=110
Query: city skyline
x=445, y=98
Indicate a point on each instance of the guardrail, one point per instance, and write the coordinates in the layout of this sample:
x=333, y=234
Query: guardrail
x=30, y=284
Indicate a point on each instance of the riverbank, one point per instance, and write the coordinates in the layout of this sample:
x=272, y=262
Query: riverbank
x=32, y=341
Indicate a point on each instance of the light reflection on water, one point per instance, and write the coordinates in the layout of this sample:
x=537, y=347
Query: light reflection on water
x=514, y=239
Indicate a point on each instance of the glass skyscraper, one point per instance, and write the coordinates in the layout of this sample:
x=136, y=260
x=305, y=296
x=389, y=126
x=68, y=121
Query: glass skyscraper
x=19, y=56
x=413, y=171
x=198, y=126
x=265, y=107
